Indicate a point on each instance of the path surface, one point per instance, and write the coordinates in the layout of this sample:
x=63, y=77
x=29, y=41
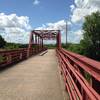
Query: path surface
x=34, y=79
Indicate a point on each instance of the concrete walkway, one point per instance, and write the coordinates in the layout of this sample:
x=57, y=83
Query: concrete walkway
x=34, y=79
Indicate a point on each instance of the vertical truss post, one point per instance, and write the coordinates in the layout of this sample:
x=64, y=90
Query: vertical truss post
x=30, y=45
x=59, y=40
x=42, y=43
x=38, y=43
x=33, y=44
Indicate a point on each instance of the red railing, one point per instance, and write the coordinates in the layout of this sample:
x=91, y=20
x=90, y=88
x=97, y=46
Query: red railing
x=13, y=56
x=81, y=75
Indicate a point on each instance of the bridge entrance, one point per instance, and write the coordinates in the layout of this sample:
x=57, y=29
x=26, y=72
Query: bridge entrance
x=38, y=36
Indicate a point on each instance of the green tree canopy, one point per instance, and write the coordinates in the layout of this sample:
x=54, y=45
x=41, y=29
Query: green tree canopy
x=2, y=42
x=91, y=36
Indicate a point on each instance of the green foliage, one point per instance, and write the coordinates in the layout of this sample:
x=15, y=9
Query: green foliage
x=23, y=45
x=2, y=42
x=90, y=44
x=91, y=36
x=11, y=46
x=87, y=76
x=2, y=58
x=77, y=48
x=66, y=46
x=51, y=46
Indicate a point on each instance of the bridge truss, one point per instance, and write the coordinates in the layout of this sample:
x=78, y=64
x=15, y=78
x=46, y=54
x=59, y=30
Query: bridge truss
x=74, y=67
x=37, y=37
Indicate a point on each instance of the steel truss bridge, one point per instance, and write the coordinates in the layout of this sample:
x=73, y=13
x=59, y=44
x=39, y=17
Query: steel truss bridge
x=73, y=67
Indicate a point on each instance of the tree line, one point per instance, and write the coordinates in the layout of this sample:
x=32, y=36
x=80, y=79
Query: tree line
x=88, y=46
x=10, y=46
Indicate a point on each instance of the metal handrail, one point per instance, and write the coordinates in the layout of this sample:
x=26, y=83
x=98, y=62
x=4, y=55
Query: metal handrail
x=73, y=67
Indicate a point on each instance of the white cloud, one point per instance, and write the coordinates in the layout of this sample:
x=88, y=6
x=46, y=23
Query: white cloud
x=60, y=25
x=14, y=28
x=83, y=8
x=79, y=10
x=36, y=2
x=78, y=32
x=69, y=23
x=75, y=36
x=72, y=7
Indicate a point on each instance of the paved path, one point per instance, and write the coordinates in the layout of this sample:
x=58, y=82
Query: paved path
x=34, y=79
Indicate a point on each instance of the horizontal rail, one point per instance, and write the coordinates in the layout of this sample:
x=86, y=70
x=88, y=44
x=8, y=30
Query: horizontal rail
x=8, y=57
x=89, y=65
x=74, y=67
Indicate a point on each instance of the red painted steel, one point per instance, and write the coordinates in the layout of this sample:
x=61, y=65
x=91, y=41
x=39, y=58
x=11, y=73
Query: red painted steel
x=46, y=34
x=14, y=56
x=35, y=46
x=72, y=66
x=39, y=36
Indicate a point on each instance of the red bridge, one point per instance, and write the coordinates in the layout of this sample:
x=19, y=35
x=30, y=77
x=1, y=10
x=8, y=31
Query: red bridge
x=38, y=77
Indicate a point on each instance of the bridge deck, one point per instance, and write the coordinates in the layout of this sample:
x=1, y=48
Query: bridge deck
x=34, y=79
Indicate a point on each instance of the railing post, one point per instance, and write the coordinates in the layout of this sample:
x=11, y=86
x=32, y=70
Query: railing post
x=21, y=55
x=9, y=58
x=96, y=85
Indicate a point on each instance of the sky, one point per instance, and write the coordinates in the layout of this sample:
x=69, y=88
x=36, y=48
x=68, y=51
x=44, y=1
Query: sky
x=19, y=17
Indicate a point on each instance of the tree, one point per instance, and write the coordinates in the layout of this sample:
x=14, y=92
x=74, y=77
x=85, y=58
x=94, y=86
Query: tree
x=12, y=46
x=91, y=36
x=2, y=42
